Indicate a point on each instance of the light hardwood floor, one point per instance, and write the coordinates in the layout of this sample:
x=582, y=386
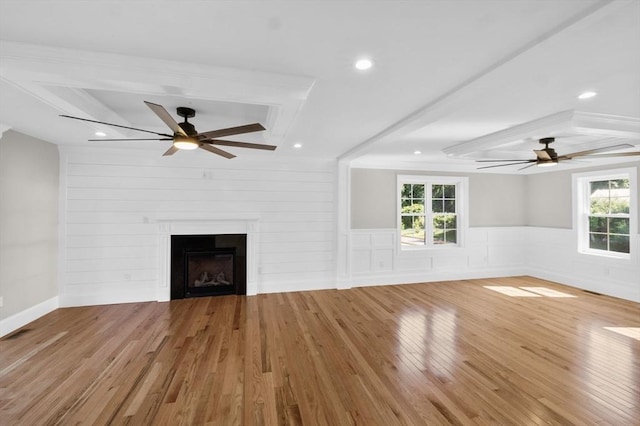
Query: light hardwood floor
x=424, y=354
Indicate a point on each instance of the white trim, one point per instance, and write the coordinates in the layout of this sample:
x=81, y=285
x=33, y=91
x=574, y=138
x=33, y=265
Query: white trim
x=28, y=315
x=62, y=217
x=613, y=289
x=431, y=277
x=106, y=297
x=295, y=285
x=547, y=253
x=462, y=209
x=213, y=224
x=343, y=221
x=579, y=199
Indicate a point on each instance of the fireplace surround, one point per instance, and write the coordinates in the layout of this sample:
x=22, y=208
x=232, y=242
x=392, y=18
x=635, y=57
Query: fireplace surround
x=212, y=224
x=208, y=265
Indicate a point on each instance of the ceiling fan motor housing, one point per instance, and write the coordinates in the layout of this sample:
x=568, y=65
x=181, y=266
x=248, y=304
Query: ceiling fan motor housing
x=552, y=152
x=187, y=113
x=188, y=128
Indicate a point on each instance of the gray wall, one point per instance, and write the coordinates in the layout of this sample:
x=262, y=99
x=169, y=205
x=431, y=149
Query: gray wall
x=542, y=199
x=497, y=200
x=29, y=172
x=373, y=199
x=550, y=194
x=494, y=200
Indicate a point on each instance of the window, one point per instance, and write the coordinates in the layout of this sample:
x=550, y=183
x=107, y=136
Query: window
x=606, y=212
x=431, y=211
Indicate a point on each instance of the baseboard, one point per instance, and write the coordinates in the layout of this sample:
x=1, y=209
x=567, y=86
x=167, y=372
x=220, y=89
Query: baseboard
x=289, y=286
x=111, y=298
x=366, y=280
x=597, y=284
x=14, y=322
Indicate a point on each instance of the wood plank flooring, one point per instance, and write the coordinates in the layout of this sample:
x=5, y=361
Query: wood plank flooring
x=421, y=354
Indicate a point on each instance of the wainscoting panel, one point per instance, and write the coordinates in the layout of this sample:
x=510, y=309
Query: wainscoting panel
x=547, y=253
x=377, y=258
x=553, y=254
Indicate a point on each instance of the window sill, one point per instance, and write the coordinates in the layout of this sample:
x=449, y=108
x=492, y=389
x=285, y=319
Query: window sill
x=597, y=254
x=441, y=248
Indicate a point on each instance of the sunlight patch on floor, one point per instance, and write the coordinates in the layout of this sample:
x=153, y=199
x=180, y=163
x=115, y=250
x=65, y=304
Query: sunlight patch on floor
x=547, y=292
x=527, y=291
x=633, y=332
x=511, y=291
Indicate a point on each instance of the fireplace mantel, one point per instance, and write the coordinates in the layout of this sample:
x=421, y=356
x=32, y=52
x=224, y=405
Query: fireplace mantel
x=212, y=224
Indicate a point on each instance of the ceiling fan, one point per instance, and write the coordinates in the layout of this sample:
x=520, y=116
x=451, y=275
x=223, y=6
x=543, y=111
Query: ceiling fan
x=548, y=157
x=185, y=135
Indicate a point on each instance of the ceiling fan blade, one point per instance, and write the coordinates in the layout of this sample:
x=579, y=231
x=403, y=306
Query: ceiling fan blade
x=496, y=161
x=595, y=151
x=528, y=165
x=171, y=151
x=166, y=117
x=215, y=150
x=239, y=144
x=613, y=154
x=117, y=125
x=135, y=139
x=542, y=154
x=510, y=164
x=248, y=128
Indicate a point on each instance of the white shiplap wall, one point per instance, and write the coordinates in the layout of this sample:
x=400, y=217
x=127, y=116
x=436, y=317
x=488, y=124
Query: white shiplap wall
x=112, y=201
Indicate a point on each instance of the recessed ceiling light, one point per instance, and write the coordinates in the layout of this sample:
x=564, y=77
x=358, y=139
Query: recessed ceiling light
x=100, y=134
x=297, y=145
x=587, y=95
x=416, y=152
x=363, y=64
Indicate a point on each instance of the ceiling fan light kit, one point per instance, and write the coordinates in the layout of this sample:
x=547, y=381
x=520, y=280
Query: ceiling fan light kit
x=185, y=142
x=186, y=137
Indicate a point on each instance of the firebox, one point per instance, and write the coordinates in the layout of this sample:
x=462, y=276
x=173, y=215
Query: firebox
x=208, y=265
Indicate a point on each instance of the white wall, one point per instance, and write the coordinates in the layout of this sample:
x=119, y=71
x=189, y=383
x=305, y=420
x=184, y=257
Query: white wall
x=377, y=258
x=115, y=202
x=547, y=253
x=29, y=171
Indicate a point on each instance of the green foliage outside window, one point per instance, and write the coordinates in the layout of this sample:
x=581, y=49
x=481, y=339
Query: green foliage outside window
x=609, y=203
x=414, y=216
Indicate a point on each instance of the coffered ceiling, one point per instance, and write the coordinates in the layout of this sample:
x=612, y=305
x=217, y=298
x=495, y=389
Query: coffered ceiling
x=454, y=80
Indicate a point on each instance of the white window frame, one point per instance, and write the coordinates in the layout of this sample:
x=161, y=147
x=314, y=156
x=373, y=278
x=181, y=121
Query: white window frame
x=581, y=204
x=462, y=209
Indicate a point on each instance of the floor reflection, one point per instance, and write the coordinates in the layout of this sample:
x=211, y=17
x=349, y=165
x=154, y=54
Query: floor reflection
x=427, y=340
x=611, y=363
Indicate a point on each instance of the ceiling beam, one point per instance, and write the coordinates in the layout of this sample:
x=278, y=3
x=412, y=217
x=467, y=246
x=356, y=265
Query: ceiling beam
x=462, y=93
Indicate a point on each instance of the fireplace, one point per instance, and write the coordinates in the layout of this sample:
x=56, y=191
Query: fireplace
x=208, y=265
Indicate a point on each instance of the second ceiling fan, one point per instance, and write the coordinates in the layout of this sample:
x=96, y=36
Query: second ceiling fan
x=548, y=156
x=185, y=135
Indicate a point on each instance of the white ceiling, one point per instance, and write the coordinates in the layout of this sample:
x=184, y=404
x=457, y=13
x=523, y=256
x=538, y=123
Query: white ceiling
x=446, y=74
